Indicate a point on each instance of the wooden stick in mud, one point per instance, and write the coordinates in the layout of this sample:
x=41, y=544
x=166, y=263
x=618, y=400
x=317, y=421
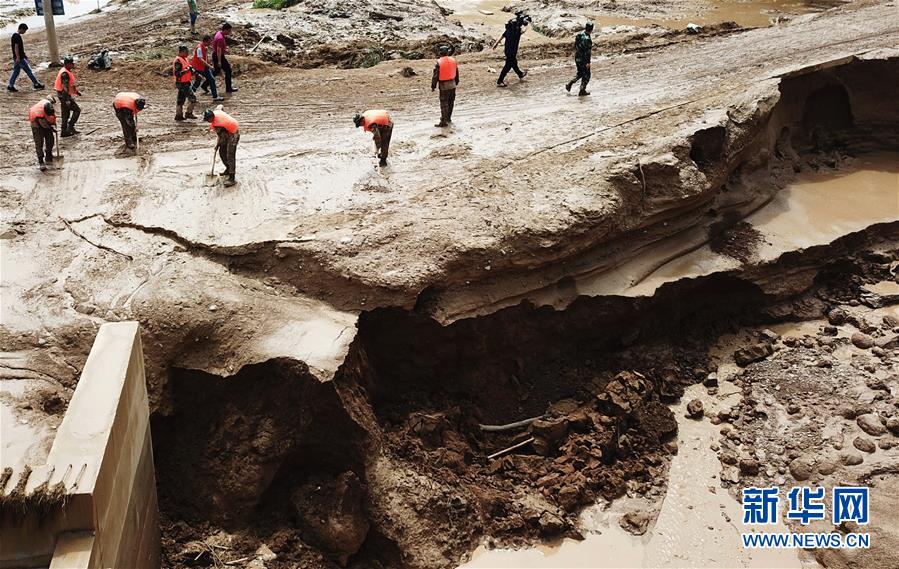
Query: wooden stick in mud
x=264, y=37
x=509, y=426
x=511, y=448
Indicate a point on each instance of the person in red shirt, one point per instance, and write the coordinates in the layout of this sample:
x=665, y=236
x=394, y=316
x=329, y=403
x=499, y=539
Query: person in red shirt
x=228, y=133
x=380, y=126
x=127, y=104
x=202, y=64
x=219, y=61
x=42, y=117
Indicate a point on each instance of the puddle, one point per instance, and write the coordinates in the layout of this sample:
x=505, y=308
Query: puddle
x=814, y=210
x=699, y=524
x=751, y=13
x=73, y=8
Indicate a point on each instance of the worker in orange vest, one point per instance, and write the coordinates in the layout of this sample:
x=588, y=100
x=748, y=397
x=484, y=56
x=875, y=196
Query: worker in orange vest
x=380, y=126
x=127, y=104
x=203, y=69
x=66, y=88
x=228, y=132
x=182, y=73
x=42, y=116
x=446, y=76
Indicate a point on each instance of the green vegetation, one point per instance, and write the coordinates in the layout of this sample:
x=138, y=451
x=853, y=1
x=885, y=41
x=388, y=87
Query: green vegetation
x=274, y=4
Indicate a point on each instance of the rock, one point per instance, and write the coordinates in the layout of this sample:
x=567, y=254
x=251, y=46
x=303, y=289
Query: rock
x=670, y=447
x=802, y=468
x=837, y=316
x=851, y=458
x=828, y=464
x=408, y=72
x=862, y=340
x=711, y=380
x=749, y=466
x=728, y=458
x=792, y=408
x=213, y=308
x=635, y=522
x=550, y=524
x=871, y=424
x=890, y=321
x=264, y=553
x=695, y=409
x=552, y=429
x=754, y=353
x=830, y=330
x=888, y=342
x=885, y=444
x=864, y=445
x=846, y=410
x=332, y=514
x=893, y=425
x=770, y=335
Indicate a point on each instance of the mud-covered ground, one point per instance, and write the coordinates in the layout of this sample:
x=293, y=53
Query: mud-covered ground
x=331, y=347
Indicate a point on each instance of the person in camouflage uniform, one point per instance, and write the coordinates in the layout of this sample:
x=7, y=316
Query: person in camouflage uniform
x=583, y=48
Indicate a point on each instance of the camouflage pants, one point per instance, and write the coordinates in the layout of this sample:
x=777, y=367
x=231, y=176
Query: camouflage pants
x=381, y=135
x=228, y=153
x=129, y=130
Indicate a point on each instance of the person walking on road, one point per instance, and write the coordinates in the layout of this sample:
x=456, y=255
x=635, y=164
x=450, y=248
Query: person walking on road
x=219, y=58
x=203, y=67
x=446, y=76
x=182, y=72
x=42, y=116
x=20, y=61
x=228, y=131
x=380, y=126
x=127, y=104
x=66, y=89
x=583, y=50
x=193, y=13
x=512, y=36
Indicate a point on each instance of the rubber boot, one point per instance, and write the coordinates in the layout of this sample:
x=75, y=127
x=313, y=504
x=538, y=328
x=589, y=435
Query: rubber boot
x=229, y=182
x=190, y=111
x=42, y=166
x=382, y=162
x=179, y=116
x=568, y=86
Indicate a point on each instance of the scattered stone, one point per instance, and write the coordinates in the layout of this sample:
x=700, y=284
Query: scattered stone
x=635, y=522
x=754, y=353
x=792, y=408
x=408, y=72
x=851, y=458
x=889, y=342
x=862, y=340
x=890, y=321
x=711, y=380
x=846, y=410
x=802, y=468
x=885, y=444
x=828, y=465
x=837, y=316
x=864, y=445
x=871, y=424
x=893, y=425
x=213, y=308
x=670, y=447
x=830, y=330
x=728, y=458
x=749, y=466
x=695, y=409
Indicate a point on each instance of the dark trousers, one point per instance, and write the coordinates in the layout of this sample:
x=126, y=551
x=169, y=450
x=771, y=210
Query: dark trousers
x=185, y=93
x=208, y=82
x=447, y=102
x=381, y=135
x=511, y=65
x=70, y=111
x=226, y=68
x=583, y=73
x=228, y=152
x=129, y=129
x=43, y=142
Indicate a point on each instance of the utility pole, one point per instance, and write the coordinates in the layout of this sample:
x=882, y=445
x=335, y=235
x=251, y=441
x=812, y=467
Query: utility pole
x=52, y=44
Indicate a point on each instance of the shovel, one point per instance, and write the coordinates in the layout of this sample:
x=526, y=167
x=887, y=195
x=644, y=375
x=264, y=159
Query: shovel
x=210, y=177
x=136, y=137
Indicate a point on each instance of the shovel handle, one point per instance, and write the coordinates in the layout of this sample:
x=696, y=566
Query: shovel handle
x=214, y=152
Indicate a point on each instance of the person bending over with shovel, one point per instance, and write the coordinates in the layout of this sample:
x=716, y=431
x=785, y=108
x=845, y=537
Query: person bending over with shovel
x=380, y=126
x=42, y=116
x=127, y=104
x=227, y=129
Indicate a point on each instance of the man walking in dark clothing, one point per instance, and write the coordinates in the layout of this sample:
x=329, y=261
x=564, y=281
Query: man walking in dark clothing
x=20, y=61
x=446, y=76
x=583, y=49
x=219, y=61
x=512, y=36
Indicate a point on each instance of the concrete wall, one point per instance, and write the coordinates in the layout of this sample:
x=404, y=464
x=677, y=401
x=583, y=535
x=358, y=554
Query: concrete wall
x=102, y=463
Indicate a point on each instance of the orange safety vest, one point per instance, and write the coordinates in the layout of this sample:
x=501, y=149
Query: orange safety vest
x=199, y=63
x=221, y=119
x=37, y=112
x=448, y=68
x=58, y=85
x=374, y=117
x=127, y=100
x=187, y=76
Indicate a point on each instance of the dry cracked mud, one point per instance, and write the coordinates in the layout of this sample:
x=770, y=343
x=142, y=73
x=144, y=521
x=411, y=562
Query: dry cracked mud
x=352, y=367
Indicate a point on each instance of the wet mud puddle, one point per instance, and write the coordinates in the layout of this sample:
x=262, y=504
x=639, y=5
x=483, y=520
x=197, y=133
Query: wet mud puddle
x=814, y=210
x=699, y=523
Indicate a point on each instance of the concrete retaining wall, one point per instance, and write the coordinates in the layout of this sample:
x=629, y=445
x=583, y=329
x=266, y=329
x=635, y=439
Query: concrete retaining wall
x=94, y=503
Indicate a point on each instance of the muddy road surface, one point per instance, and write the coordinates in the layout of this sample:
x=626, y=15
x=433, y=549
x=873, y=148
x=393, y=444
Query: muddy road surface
x=493, y=342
